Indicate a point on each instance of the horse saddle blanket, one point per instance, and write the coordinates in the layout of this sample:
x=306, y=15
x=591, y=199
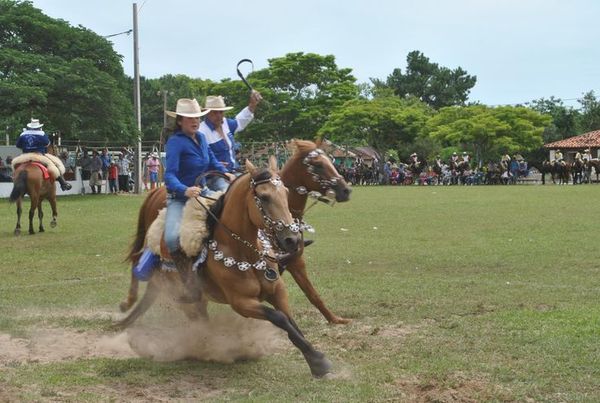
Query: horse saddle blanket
x=52, y=163
x=193, y=229
x=45, y=173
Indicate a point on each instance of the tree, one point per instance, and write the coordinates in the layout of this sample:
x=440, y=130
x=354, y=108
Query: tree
x=435, y=85
x=590, y=112
x=489, y=132
x=68, y=76
x=383, y=123
x=564, y=119
x=300, y=91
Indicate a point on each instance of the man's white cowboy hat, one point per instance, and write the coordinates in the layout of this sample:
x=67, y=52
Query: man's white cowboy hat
x=155, y=155
x=587, y=150
x=34, y=124
x=188, y=108
x=215, y=103
x=413, y=155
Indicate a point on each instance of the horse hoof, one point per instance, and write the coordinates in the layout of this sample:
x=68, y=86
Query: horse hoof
x=17, y=232
x=340, y=321
x=319, y=367
x=52, y=224
x=31, y=232
x=124, y=306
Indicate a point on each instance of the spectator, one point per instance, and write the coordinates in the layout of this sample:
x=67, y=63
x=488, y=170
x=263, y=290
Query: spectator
x=96, y=173
x=106, y=158
x=123, y=166
x=113, y=174
x=153, y=166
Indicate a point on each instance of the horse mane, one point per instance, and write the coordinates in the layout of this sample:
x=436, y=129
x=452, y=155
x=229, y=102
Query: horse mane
x=216, y=210
x=303, y=147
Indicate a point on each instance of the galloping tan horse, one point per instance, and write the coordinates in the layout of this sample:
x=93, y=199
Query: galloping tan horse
x=308, y=170
x=33, y=179
x=236, y=272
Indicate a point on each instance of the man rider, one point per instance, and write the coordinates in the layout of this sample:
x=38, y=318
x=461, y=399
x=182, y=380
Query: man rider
x=34, y=140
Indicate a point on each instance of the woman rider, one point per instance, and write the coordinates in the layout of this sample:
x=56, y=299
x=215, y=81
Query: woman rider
x=187, y=157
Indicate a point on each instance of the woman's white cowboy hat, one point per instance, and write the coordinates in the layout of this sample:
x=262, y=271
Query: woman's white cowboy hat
x=188, y=108
x=35, y=124
x=215, y=103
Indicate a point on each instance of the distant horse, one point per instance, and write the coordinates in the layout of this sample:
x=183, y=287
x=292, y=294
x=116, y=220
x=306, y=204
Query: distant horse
x=458, y=169
x=307, y=170
x=32, y=178
x=577, y=170
x=593, y=163
x=236, y=272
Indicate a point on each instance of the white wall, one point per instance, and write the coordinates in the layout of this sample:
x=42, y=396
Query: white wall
x=77, y=186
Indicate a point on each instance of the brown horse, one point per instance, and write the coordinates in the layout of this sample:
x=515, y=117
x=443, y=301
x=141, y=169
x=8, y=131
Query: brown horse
x=237, y=272
x=308, y=170
x=29, y=178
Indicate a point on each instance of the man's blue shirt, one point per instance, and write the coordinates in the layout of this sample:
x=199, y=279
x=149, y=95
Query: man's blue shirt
x=33, y=141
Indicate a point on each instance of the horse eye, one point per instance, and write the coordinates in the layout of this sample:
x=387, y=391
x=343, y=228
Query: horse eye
x=264, y=198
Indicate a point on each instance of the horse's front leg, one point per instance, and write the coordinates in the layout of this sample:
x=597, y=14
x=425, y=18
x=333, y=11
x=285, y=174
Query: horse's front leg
x=297, y=269
x=251, y=308
x=19, y=212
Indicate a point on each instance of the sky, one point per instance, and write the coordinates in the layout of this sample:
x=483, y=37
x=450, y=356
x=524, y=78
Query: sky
x=520, y=50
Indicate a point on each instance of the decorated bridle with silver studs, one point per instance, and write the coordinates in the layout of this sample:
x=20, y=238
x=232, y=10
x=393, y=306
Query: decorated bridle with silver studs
x=327, y=184
x=271, y=225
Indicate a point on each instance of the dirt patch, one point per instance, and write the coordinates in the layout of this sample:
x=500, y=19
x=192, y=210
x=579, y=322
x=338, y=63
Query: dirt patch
x=227, y=337
x=458, y=388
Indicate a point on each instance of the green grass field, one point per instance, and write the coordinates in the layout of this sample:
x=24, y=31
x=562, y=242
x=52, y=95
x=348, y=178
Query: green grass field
x=456, y=294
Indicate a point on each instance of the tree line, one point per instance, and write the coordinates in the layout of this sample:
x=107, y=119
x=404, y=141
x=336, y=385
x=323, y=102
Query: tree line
x=73, y=80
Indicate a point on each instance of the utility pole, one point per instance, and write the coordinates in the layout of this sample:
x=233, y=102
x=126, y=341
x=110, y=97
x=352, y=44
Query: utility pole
x=136, y=100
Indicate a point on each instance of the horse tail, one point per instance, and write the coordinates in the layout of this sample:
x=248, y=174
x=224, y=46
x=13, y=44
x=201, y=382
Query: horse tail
x=138, y=243
x=19, y=187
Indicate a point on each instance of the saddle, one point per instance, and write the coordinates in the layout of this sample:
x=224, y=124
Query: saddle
x=193, y=230
x=45, y=160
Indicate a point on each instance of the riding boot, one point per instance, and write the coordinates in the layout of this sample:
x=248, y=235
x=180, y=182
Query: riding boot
x=189, y=277
x=64, y=185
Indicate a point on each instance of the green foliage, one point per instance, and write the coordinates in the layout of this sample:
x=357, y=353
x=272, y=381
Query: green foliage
x=489, y=132
x=590, y=112
x=432, y=84
x=383, y=123
x=67, y=76
x=564, y=119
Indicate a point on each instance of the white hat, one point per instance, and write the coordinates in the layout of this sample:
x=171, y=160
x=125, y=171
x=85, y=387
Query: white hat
x=35, y=124
x=155, y=155
x=215, y=103
x=413, y=155
x=188, y=108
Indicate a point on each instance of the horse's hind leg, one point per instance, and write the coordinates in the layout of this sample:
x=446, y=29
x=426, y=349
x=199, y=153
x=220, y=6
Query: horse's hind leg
x=34, y=203
x=132, y=294
x=41, y=216
x=52, y=202
x=152, y=291
x=19, y=212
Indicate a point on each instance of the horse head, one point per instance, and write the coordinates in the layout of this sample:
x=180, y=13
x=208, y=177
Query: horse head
x=268, y=208
x=310, y=170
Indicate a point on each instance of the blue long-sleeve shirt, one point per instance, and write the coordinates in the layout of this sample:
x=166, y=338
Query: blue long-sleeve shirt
x=186, y=161
x=33, y=141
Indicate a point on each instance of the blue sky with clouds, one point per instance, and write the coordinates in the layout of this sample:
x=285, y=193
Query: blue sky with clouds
x=519, y=49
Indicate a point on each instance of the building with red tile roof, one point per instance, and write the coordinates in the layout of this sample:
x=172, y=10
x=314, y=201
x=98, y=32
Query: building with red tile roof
x=574, y=144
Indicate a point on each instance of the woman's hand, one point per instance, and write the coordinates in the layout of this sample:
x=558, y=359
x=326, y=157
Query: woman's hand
x=230, y=176
x=192, y=191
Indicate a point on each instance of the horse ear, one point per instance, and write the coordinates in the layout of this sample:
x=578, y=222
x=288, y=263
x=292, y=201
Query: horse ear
x=319, y=142
x=250, y=167
x=273, y=163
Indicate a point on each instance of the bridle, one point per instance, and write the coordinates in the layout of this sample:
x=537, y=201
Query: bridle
x=317, y=175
